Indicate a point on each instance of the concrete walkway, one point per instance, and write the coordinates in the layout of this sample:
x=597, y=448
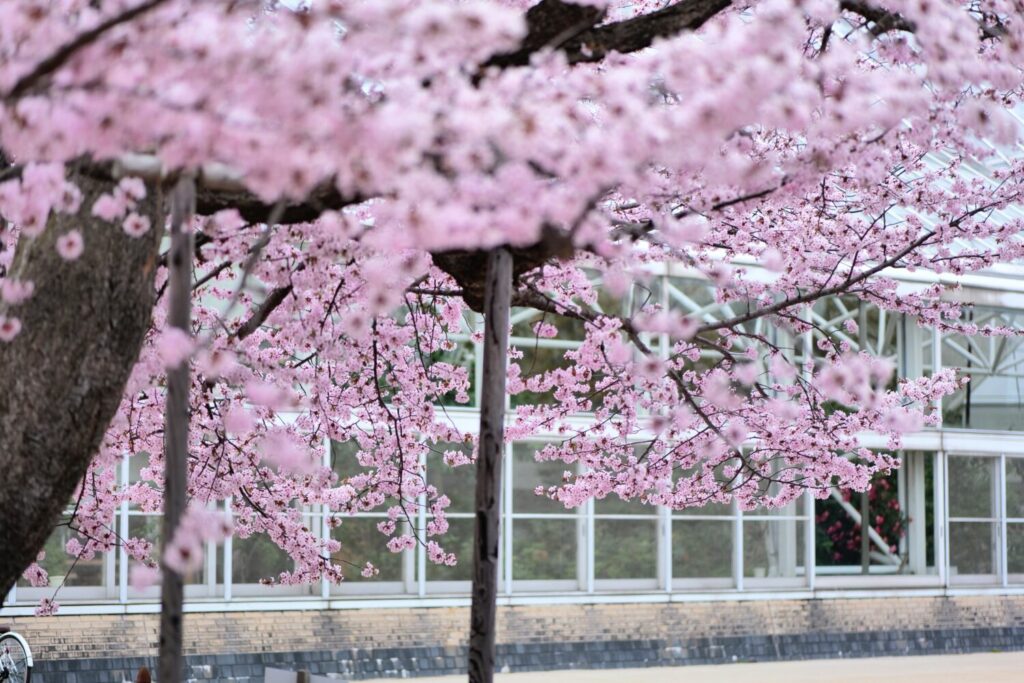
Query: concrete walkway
x=1003, y=667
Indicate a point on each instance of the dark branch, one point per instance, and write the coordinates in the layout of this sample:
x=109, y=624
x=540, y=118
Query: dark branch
x=260, y=315
x=575, y=31
x=468, y=268
x=65, y=52
x=883, y=20
x=324, y=197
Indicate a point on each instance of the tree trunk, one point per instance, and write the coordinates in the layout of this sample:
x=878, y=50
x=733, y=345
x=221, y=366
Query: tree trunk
x=497, y=297
x=176, y=423
x=62, y=377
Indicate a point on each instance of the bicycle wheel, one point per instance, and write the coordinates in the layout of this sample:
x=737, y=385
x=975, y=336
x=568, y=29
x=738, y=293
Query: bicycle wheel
x=15, y=659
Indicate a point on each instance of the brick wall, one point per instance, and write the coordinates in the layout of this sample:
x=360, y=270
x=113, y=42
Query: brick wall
x=234, y=646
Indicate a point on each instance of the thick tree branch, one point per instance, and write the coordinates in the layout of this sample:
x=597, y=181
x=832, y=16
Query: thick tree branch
x=883, y=20
x=325, y=197
x=260, y=315
x=65, y=52
x=575, y=31
x=218, y=188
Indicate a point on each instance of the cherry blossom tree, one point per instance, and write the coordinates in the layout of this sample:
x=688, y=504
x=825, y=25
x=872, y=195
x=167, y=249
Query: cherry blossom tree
x=360, y=167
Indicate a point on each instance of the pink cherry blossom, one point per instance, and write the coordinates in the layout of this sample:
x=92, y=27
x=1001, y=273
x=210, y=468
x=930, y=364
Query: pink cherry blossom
x=142, y=576
x=70, y=245
x=15, y=292
x=184, y=553
x=685, y=210
x=36, y=576
x=9, y=328
x=174, y=346
x=108, y=207
x=132, y=188
x=47, y=607
x=135, y=225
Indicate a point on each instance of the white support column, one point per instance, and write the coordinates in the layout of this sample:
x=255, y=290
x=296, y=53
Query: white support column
x=785, y=534
x=211, y=560
x=737, y=545
x=941, y=494
x=228, y=552
x=664, y=513
x=901, y=499
x=507, y=521
x=478, y=367
x=588, y=530
x=936, y=366
x=122, y=531
x=421, y=522
x=410, y=583
x=941, y=518
x=665, y=548
x=911, y=348
x=917, y=537
x=410, y=563
x=810, y=560
x=325, y=513
x=1001, y=546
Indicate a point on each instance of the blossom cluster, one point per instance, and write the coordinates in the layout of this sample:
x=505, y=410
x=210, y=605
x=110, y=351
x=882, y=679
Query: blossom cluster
x=784, y=152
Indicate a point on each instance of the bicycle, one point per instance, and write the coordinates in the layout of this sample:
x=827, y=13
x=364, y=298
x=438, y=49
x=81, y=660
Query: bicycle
x=15, y=657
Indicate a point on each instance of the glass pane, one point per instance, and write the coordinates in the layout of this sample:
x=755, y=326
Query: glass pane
x=150, y=528
x=1015, y=487
x=613, y=505
x=459, y=482
x=838, y=535
x=700, y=298
x=543, y=549
x=462, y=356
x=524, y=321
x=773, y=548
x=257, y=558
x=343, y=458
x=527, y=474
x=972, y=548
x=690, y=295
x=537, y=360
x=877, y=330
x=459, y=540
x=929, y=510
x=995, y=364
x=63, y=568
x=970, y=487
x=707, y=509
x=1015, y=550
x=362, y=543
x=136, y=463
x=986, y=402
x=701, y=548
x=710, y=509
x=625, y=549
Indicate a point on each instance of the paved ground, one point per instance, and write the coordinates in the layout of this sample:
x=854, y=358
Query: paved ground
x=974, y=668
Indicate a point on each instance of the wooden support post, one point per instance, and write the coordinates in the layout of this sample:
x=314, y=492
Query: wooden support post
x=176, y=427
x=497, y=298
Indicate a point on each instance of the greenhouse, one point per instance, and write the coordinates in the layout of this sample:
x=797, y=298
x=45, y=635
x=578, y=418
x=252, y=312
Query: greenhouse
x=951, y=518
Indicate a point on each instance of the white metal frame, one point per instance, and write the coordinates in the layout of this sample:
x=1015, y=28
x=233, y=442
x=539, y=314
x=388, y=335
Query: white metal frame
x=116, y=594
